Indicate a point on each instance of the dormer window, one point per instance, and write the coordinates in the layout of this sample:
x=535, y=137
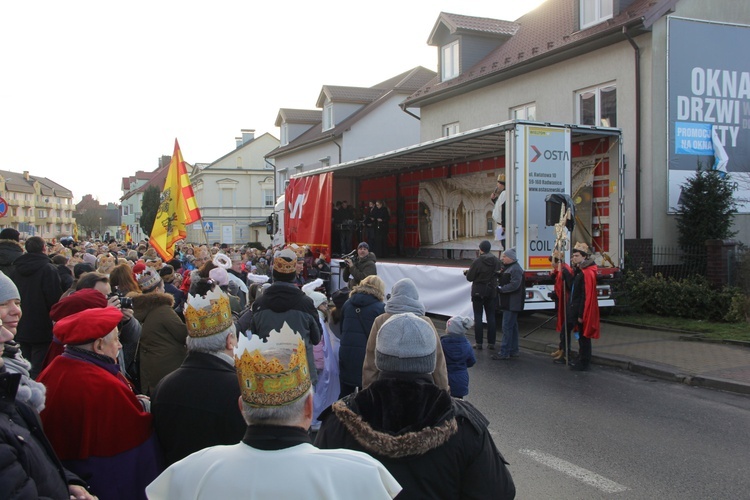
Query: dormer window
x=595, y=11
x=328, y=122
x=449, y=61
x=284, y=134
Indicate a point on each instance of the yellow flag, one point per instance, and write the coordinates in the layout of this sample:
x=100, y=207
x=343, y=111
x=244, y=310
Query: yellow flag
x=177, y=208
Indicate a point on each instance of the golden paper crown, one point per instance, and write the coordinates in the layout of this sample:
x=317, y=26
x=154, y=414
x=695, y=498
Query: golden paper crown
x=285, y=262
x=264, y=380
x=209, y=315
x=582, y=247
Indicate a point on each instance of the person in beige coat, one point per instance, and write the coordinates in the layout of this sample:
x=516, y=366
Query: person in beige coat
x=404, y=298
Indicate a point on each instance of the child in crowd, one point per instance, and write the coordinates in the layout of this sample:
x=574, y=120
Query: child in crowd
x=459, y=355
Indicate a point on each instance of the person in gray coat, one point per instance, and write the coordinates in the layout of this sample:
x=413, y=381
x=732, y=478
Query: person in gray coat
x=512, y=296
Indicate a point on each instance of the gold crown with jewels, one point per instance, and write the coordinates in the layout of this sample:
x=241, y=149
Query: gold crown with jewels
x=207, y=315
x=272, y=371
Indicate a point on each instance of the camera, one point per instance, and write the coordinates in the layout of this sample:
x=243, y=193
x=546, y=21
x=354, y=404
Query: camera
x=125, y=302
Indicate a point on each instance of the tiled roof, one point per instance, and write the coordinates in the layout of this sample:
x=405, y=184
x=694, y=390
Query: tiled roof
x=351, y=94
x=548, y=29
x=290, y=115
x=402, y=83
x=457, y=23
x=15, y=181
x=408, y=81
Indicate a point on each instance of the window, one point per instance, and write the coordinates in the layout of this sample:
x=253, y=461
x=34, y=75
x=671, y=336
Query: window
x=449, y=61
x=268, y=200
x=125, y=210
x=597, y=106
x=525, y=112
x=239, y=162
x=284, y=134
x=450, y=129
x=328, y=116
x=42, y=214
x=594, y=12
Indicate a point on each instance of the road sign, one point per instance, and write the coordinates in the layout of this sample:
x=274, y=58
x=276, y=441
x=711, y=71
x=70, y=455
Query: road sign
x=3, y=207
x=208, y=227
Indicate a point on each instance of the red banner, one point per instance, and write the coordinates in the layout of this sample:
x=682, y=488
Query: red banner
x=307, y=215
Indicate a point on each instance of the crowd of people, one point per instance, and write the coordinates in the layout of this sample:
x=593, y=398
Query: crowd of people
x=228, y=372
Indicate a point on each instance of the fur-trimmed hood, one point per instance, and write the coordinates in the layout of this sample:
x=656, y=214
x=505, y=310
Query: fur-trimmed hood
x=398, y=418
x=144, y=303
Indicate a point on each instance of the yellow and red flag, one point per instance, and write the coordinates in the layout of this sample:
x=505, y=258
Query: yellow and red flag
x=128, y=236
x=177, y=208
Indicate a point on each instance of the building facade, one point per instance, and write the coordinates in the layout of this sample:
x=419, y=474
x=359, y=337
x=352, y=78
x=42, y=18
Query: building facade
x=235, y=193
x=36, y=206
x=593, y=62
x=351, y=123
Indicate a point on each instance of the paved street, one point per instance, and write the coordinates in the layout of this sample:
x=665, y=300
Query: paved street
x=610, y=433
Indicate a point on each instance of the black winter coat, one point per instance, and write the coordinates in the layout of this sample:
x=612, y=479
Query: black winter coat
x=483, y=277
x=359, y=313
x=29, y=467
x=435, y=446
x=283, y=302
x=39, y=287
x=195, y=407
x=10, y=250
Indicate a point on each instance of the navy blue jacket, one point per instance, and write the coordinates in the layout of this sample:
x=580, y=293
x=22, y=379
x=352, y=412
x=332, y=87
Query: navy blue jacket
x=459, y=356
x=359, y=314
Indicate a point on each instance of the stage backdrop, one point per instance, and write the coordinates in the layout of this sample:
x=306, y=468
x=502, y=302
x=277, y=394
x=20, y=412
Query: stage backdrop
x=709, y=104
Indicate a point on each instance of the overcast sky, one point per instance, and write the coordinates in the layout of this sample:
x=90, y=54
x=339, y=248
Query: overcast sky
x=92, y=91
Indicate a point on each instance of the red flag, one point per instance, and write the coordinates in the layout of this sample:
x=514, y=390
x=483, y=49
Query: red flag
x=307, y=218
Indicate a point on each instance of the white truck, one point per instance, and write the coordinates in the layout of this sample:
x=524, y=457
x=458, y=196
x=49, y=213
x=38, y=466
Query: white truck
x=438, y=194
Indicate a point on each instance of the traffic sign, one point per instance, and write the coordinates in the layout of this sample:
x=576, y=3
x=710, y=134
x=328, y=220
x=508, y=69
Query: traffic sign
x=208, y=227
x=3, y=207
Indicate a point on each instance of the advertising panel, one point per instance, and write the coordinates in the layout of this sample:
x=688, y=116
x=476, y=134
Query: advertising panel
x=307, y=218
x=544, y=170
x=708, y=105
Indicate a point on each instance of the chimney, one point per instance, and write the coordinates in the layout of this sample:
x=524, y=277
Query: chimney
x=248, y=134
x=238, y=141
x=26, y=174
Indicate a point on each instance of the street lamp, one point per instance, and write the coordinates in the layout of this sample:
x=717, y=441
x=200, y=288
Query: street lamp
x=100, y=228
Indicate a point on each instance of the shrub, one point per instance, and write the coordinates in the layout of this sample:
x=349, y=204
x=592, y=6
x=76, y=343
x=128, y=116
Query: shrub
x=692, y=298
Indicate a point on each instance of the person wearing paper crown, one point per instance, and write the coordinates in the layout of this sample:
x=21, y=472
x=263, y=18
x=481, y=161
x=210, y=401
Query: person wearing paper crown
x=97, y=425
x=284, y=302
x=275, y=458
x=195, y=406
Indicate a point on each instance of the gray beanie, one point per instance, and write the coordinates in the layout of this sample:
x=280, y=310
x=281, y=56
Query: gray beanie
x=511, y=254
x=459, y=325
x=485, y=246
x=406, y=344
x=8, y=290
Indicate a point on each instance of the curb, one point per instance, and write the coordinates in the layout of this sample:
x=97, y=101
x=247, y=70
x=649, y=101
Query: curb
x=650, y=370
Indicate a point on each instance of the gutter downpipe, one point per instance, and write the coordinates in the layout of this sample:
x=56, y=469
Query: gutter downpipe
x=405, y=110
x=338, y=146
x=637, y=51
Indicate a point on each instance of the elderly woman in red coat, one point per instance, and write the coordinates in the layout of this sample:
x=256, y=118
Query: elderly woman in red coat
x=97, y=425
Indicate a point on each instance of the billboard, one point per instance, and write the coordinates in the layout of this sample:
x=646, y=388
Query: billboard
x=708, y=93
